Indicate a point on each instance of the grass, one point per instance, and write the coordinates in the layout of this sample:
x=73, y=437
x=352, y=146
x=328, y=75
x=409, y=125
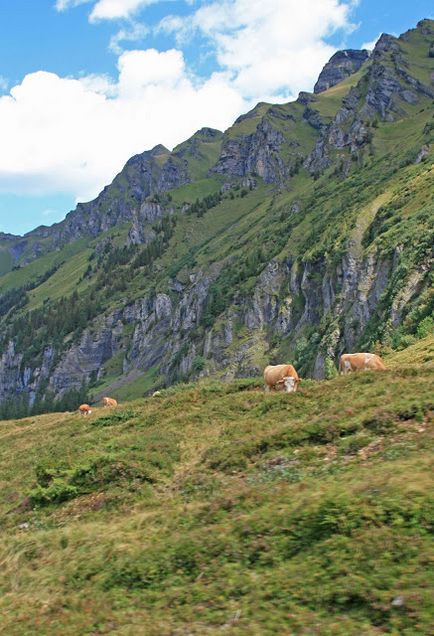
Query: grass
x=220, y=508
x=63, y=282
x=5, y=261
x=197, y=190
x=31, y=272
x=128, y=386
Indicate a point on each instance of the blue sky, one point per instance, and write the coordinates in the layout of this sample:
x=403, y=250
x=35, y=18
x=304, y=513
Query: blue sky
x=87, y=83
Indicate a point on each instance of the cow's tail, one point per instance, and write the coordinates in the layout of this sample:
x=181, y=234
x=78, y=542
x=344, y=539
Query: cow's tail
x=341, y=366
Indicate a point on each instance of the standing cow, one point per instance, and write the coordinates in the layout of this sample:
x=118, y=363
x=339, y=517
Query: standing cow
x=350, y=362
x=108, y=401
x=85, y=409
x=281, y=376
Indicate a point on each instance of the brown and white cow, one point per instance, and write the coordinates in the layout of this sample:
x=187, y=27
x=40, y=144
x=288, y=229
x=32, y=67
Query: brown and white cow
x=108, y=401
x=350, y=362
x=85, y=409
x=281, y=376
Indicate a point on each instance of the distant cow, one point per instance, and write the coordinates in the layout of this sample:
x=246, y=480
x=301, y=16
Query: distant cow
x=85, y=409
x=108, y=401
x=359, y=362
x=281, y=376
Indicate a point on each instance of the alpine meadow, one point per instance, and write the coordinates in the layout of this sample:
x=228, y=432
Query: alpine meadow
x=202, y=504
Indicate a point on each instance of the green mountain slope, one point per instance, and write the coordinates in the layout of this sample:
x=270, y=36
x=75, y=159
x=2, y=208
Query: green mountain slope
x=219, y=507
x=304, y=230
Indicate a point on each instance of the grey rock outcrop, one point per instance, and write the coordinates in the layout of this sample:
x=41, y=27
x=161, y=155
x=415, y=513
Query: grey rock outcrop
x=258, y=153
x=341, y=65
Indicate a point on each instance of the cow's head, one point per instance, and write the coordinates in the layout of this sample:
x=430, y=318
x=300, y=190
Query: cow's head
x=290, y=385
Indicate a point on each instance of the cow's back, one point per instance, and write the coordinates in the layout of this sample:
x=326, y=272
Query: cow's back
x=375, y=362
x=360, y=362
x=108, y=401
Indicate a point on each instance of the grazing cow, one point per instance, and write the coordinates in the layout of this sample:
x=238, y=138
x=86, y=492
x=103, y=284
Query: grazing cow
x=281, y=376
x=359, y=362
x=108, y=401
x=85, y=409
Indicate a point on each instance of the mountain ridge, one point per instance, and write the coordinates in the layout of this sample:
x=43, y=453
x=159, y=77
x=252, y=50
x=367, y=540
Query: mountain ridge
x=301, y=230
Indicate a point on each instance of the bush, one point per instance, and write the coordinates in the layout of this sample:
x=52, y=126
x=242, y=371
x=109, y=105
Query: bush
x=57, y=483
x=198, y=364
x=425, y=327
x=330, y=369
x=115, y=417
x=58, y=490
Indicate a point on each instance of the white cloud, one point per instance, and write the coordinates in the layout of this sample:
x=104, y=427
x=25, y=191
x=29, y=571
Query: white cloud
x=115, y=9
x=73, y=135
x=107, y=9
x=134, y=32
x=369, y=46
x=270, y=48
x=63, y=5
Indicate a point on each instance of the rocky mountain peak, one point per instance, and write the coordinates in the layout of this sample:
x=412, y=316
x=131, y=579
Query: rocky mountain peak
x=159, y=149
x=209, y=133
x=341, y=65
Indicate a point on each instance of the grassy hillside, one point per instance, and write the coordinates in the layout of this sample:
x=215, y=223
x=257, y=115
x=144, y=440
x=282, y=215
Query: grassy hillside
x=219, y=508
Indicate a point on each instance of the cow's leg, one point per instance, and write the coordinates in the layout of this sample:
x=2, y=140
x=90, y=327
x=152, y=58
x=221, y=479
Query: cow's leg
x=347, y=367
x=267, y=388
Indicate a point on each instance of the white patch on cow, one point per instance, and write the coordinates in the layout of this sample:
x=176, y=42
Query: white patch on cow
x=289, y=384
x=347, y=366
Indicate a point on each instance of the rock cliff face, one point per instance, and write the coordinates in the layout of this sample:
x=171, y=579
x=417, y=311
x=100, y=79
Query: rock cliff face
x=122, y=201
x=258, y=153
x=287, y=299
x=341, y=65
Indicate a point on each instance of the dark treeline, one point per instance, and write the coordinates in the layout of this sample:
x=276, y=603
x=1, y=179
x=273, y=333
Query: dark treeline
x=18, y=407
x=200, y=206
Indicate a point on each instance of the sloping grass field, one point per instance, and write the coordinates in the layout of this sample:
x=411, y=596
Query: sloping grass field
x=216, y=508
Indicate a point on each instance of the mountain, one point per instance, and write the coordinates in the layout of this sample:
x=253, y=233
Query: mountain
x=217, y=508
x=303, y=230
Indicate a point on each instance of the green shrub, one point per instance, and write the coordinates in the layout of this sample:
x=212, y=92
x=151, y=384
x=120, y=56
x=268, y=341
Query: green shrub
x=58, y=491
x=425, y=327
x=114, y=417
x=330, y=369
x=198, y=364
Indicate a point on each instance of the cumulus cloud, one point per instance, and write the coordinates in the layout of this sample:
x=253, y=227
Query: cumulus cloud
x=73, y=135
x=270, y=48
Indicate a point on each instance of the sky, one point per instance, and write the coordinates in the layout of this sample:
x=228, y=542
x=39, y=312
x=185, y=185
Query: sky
x=86, y=84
